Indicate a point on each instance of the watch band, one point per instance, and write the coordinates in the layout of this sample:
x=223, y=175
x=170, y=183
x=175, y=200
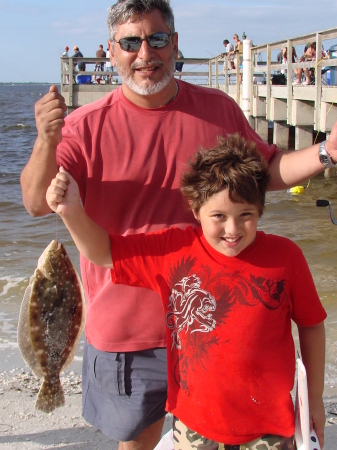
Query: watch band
x=324, y=156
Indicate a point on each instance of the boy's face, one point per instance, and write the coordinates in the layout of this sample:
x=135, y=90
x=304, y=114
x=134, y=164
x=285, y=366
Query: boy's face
x=228, y=227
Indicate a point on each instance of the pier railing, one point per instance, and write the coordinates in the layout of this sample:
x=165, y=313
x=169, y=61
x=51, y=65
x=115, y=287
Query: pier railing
x=252, y=84
x=306, y=108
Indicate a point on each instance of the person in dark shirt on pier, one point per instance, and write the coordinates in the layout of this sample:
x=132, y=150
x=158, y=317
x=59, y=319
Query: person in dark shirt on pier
x=78, y=54
x=127, y=152
x=179, y=65
x=100, y=53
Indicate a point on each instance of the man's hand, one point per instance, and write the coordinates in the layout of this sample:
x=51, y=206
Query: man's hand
x=49, y=115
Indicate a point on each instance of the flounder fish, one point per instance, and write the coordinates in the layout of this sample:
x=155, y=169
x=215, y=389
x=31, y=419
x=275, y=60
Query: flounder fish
x=51, y=320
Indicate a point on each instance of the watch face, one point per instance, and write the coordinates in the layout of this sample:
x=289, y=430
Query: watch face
x=324, y=159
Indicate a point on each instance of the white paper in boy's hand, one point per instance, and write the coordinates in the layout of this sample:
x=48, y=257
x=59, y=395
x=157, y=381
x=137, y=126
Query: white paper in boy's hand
x=166, y=442
x=305, y=439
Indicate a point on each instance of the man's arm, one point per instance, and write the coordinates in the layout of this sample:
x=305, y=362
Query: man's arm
x=312, y=342
x=41, y=167
x=92, y=241
x=291, y=168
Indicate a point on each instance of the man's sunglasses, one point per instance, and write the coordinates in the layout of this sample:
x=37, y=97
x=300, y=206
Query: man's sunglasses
x=133, y=43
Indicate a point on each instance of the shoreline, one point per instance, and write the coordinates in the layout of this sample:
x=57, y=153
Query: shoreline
x=22, y=427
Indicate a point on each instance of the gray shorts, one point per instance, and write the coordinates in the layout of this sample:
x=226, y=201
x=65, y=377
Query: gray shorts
x=123, y=393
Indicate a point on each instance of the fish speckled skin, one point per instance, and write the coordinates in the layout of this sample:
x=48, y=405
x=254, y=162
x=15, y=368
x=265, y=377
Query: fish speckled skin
x=51, y=320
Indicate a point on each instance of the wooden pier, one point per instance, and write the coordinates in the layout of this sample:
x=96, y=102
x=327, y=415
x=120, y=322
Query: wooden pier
x=300, y=109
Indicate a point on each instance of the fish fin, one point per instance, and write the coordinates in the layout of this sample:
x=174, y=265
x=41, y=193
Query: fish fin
x=51, y=396
x=71, y=355
x=24, y=337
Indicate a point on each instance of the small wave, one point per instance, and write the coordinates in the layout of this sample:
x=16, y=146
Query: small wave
x=6, y=344
x=10, y=283
x=17, y=126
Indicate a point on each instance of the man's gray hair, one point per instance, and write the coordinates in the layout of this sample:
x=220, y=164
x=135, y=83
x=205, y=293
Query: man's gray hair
x=124, y=10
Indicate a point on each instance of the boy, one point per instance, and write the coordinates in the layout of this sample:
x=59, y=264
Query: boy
x=229, y=294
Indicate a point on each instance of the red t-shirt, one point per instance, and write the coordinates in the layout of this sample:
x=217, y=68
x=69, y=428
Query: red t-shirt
x=231, y=359
x=128, y=161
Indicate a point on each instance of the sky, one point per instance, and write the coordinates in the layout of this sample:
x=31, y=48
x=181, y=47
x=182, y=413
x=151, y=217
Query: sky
x=34, y=33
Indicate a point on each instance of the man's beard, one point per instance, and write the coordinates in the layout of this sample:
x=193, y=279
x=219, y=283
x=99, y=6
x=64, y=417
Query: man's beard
x=152, y=88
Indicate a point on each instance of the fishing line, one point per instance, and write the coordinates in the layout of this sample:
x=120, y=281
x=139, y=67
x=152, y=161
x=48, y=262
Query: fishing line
x=280, y=33
x=205, y=62
x=58, y=158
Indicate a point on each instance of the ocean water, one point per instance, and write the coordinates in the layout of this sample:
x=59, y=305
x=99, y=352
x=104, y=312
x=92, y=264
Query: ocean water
x=23, y=238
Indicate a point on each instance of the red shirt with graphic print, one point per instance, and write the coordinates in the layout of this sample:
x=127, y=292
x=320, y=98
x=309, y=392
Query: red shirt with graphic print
x=231, y=359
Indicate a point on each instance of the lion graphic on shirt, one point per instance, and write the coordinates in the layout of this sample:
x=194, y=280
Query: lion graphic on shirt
x=190, y=309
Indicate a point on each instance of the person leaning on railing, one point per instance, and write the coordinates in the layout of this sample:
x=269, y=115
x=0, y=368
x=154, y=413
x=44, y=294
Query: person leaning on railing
x=308, y=55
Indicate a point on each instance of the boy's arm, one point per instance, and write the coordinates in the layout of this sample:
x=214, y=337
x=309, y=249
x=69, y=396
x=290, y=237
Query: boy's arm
x=92, y=241
x=312, y=342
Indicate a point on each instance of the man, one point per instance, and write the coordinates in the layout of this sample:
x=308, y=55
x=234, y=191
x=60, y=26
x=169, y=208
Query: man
x=279, y=57
x=65, y=66
x=100, y=53
x=126, y=152
x=108, y=67
x=228, y=48
x=236, y=50
x=78, y=54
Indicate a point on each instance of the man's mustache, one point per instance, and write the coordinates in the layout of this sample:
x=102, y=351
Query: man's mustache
x=140, y=65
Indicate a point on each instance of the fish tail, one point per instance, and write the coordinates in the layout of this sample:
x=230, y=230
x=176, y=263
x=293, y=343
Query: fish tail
x=51, y=396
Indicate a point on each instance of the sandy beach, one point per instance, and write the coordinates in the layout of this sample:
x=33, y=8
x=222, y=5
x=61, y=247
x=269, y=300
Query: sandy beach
x=21, y=427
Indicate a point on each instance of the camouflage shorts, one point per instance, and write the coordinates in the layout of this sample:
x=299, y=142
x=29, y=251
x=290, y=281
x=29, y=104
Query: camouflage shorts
x=186, y=439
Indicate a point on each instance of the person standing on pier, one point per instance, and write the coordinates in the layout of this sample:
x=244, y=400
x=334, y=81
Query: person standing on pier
x=78, y=54
x=237, y=50
x=127, y=151
x=108, y=66
x=228, y=49
x=65, y=65
x=100, y=53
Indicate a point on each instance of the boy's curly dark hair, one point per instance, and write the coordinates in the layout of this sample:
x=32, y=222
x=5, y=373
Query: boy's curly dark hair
x=234, y=164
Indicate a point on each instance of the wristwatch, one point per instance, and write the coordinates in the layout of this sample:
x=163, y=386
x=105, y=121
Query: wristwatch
x=324, y=156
